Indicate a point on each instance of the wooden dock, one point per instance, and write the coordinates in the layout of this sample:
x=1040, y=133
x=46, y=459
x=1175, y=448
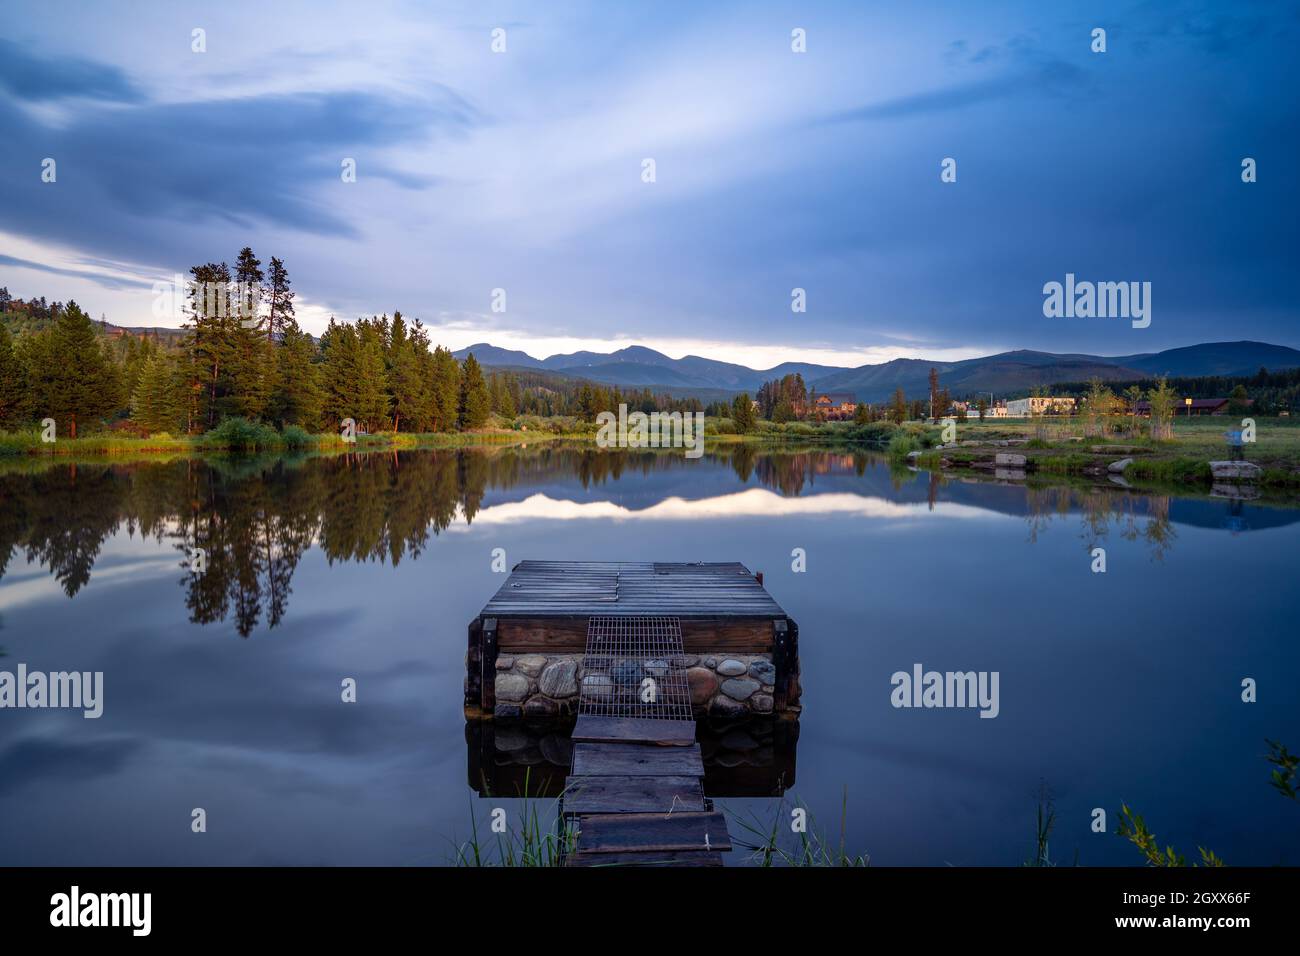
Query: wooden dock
x=636, y=793
x=616, y=639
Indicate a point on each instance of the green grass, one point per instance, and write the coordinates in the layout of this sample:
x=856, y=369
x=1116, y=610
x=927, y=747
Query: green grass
x=241, y=435
x=535, y=838
x=807, y=847
x=1181, y=470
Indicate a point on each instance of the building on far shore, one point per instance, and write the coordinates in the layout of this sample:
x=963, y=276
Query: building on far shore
x=1198, y=406
x=835, y=405
x=1040, y=405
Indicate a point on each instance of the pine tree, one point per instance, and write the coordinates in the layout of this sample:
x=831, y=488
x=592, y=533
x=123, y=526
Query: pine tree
x=156, y=401
x=742, y=413
x=298, y=398
x=279, y=300
x=898, y=407
x=72, y=378
x=211, y=344
x=475, y=403
x=13, y=380
x=446, y=378
x=251, y=365
x=409, y=388
x=372, y=380
x=339, y=369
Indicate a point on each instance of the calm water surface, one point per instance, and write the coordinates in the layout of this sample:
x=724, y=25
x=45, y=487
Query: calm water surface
x=222, y=690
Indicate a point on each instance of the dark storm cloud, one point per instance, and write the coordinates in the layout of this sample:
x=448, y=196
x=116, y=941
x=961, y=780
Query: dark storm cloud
x=131, y=170
x=48, y=761
x=28, y=76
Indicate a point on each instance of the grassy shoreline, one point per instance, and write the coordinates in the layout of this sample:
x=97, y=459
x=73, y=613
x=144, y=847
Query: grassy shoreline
x=1053, y=449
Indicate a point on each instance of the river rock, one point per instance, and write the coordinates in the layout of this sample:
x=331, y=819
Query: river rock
x=703, y=684
x=731, y=668
x=506, y=711
x=656, y=668
x=559, y=679
x=598, y=686
x=1117, y=467
x=740, y=688
x=724, y=706
x=688, y=660
x=1235, y=469
x=763, y=671
x=627, y=673
x=505, y=662
x=511, y=686
x=762, y=703
x=530, y=664
x=541, y=707
x=1009, y=460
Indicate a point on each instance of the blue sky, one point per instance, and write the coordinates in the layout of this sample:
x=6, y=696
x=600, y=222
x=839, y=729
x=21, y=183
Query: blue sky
x=774, y=170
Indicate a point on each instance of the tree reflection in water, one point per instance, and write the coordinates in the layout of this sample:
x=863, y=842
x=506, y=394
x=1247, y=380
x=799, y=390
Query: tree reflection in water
x=255, y=517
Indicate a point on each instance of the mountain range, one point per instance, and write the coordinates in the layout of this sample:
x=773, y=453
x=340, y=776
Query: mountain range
x=639, y=367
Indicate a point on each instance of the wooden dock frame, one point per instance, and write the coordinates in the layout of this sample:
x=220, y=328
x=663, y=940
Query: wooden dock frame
x=635, y=795
x=543, y=607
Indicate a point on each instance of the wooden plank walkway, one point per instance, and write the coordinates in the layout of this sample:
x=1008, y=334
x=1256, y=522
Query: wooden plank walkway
x=636, y=794
x=637, y=588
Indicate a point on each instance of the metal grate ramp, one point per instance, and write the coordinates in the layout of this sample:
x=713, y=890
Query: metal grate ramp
x=634, y=685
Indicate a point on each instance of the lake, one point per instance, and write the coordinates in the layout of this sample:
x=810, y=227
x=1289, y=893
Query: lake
x=222, y=689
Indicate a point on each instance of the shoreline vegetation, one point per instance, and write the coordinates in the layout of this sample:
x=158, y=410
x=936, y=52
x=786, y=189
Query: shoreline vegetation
x=1058, y=450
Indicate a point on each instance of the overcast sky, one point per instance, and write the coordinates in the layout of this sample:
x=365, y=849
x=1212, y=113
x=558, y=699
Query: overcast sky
x=522, y=170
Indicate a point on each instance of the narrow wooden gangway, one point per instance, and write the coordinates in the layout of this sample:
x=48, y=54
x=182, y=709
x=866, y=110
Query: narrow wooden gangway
x=636, y=793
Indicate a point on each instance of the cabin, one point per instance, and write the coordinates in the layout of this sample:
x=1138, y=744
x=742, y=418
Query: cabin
x=835, y=405
x=1197, y=406
x=708, y=637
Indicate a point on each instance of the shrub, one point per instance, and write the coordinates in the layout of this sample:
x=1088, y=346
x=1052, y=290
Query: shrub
x=295, y=436
x=242, y=435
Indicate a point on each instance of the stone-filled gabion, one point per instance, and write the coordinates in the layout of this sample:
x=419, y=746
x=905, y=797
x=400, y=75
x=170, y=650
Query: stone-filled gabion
x=536, y=685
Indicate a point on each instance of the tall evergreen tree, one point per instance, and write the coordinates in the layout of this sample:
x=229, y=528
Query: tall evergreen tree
x=279, y=299
x=211, y=343
x=298, y=398
x=742, y=413
x=898, y=407
x=72, y=379
x=13, y=380
x=409, y=388
x=156, y=402
x=446, y=376
x=475, y=403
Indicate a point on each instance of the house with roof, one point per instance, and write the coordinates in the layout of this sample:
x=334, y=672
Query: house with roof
x=835, y=405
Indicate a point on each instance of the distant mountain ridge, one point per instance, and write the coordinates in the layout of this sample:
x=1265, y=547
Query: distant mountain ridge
x=639, y=367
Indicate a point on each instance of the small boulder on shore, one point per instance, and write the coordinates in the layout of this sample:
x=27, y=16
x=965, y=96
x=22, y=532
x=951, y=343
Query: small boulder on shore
x=1009, y=460
x=1235, y=469
x=1117, y=467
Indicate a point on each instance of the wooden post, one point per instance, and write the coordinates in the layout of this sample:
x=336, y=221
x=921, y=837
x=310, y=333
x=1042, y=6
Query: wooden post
x=488, y=657
x=782, y=639
x=474, y=670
